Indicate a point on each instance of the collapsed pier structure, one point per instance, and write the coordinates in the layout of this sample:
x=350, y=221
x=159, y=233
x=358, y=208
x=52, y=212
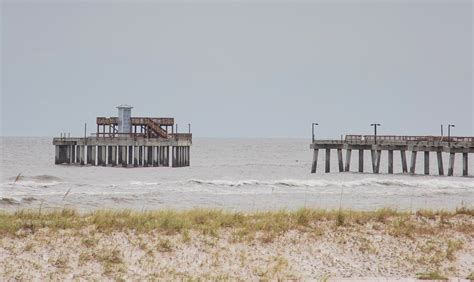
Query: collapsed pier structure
x=128, y=142
x=391, y=143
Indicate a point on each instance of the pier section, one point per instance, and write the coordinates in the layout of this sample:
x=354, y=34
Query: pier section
x=173, y=151
x=390, y=143
x=127, y=141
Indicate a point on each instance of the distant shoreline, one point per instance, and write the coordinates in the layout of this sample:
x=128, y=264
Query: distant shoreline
x=213, y=244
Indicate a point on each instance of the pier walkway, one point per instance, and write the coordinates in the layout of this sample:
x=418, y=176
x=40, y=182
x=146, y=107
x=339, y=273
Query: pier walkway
x=391, y=143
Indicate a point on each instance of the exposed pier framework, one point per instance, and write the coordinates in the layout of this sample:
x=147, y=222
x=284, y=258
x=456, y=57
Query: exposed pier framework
x=391, y=143
x=127, y=141
x=125, y=151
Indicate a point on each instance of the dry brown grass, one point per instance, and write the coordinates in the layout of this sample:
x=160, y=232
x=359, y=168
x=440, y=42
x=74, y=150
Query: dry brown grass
x=263, y=225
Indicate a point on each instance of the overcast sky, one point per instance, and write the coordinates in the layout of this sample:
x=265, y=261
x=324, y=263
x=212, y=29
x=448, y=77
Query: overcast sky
x=239, y=69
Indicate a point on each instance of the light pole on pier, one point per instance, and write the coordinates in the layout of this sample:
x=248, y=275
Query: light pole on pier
x=449, y=132
x=312, y=129
x=375, y=131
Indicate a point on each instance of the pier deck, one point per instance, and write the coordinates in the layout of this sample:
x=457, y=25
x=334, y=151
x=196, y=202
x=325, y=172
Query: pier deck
x=391, y=143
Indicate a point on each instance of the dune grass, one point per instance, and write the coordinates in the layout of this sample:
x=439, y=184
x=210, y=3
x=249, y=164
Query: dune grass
x=210, y=221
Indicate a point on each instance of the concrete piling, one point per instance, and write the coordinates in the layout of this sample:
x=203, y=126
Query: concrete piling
x=427, y=162
x=99, y=155
x=451, y=164
x=390, y=161
x=339, y=160
x=315, y=161
x=465, y=160
x=89, y=154
x=328, y=160
x=439, y=156
x=130, y=155
x=361, y=160
x=374, y=160
x=93, y=156
x=124, y=156
x=113, y=151
x=403, y=157
x=378, y=156
x=348, y=160
x=413, y=162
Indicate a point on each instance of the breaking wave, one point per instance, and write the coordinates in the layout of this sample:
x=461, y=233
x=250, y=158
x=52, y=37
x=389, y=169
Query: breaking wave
x=431, y=183
x=34, y=181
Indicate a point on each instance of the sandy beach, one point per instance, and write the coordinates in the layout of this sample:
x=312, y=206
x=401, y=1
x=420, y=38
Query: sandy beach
x=215, y=245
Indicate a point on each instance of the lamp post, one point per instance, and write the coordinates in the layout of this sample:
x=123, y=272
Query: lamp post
x=375, y=131
x=312, y=129
x=449, y=132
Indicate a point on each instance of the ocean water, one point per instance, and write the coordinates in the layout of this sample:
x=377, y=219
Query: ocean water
x=230, y=174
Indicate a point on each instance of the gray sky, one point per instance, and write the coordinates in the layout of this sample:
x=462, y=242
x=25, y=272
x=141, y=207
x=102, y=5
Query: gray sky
x=239, y=69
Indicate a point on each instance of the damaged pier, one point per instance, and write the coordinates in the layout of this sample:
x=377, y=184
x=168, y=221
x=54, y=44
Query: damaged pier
x=127, y=141
x=390, y=143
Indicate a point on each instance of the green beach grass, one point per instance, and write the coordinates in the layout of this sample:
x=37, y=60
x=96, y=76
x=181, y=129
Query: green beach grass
x=210, y=221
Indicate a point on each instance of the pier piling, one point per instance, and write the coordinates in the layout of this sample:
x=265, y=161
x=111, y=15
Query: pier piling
x=439, y=156
x=328, y=160
x=361, y=160
x=339, y=160
x=390, y=161
x=348, y=160
x=451, y=164
x=413, y=162
x=465, y=164
x=403, y=157
x=315, y=161
x=427, y=162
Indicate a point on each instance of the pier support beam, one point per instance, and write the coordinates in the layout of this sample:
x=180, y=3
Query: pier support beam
x=439, y=155
x=427, y=162
x=328, y=161
x=93, y=156
x=451, y=164
x=82, y=153
x=178, y=156
x=72, y=154
x=413, y=162
x=56, y=155
x=100, y=155
x=348, y=160
x=89, y=154
x=189, y=156
x=339, y=160
x=173, y=156
x=130, y=155
x=158, y=156
x=140, y=156
x=373, y=156
x=390, y=161
x=136, y=156
x=113, y=155
x=315, y=160
x=155, y=155
x=104, y=155
x=361, y=160
x=377, y=164
x=465, y=164
x=124, y=156
x=145, y=156
x=403, y=157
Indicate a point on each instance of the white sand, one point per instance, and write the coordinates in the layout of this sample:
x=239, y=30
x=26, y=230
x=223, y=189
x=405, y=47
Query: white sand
x=356, y=251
